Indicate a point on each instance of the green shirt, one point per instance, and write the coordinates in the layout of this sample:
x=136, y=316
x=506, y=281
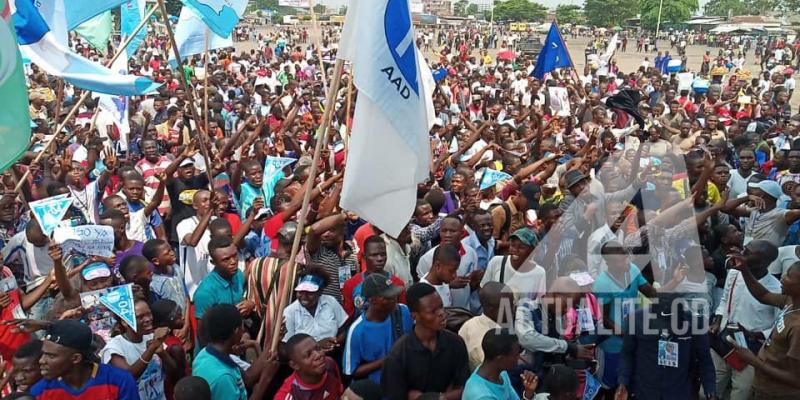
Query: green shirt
x=214, y=289
x=222, y=374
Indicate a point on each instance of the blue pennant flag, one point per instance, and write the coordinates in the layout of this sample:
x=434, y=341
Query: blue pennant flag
x=48, y=212
x=80, y=11
x=273, y=172
x=554, y=54
x=221, y=16
x=491, y=177
x=592, y=387
x=120, y=301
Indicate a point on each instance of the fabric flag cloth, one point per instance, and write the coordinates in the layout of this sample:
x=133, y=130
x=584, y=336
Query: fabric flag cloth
x=80, y=11
x=40, y=45
x=626, y=104
x=49, y=212
x=120, y=302
x=554, y=54
x=96, y=31
x=114, y=109
x=394, y=111
x=15, y=130
x=131, y=14
x=190, y=35
x=610, y=50
x=491, y=177
x=220, y=15
x=273, y=172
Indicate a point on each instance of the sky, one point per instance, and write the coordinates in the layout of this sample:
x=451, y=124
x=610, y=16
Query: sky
x=547, y=3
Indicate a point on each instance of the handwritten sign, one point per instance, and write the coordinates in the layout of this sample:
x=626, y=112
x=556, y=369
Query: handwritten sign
x=95, y=240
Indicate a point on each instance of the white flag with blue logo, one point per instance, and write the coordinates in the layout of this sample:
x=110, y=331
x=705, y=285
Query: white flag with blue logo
x=190, y=34
x=39, y=42
x=389, y=147
x=220, y=15
x=49, y=212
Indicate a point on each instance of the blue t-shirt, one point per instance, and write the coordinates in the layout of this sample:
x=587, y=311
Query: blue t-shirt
x=106, y=383
x=622, y=297
x=214, y=290
x=478, y=388
x=369, y=341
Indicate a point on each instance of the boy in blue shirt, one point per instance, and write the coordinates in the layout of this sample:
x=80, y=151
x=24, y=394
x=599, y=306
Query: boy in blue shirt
x=372, y=335
x=501, y=352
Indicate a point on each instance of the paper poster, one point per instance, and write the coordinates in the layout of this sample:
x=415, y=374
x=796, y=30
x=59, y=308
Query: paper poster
x=93, y=240
x=491, y=177
x=559, y=101
x=685, y=80
x=99, y=318
x=49, y=212
x=120, y=301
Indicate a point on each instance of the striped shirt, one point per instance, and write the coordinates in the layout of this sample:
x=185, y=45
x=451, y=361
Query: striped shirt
x=149, y=172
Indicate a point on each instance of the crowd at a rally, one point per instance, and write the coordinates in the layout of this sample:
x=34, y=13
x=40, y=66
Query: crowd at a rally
x=598, y=233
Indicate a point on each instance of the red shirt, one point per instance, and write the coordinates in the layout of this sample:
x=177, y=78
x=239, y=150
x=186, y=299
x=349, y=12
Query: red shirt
x=271, y=228
x=10, y=341
x=329, y=387
x=349, y=295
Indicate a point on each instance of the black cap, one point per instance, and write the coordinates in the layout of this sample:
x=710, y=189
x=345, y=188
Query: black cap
x=572, y=177
x=379, y=284
x=71, y=333
x=530, y=190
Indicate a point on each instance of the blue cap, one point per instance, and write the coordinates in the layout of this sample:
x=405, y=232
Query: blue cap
x=769, y=187
x=96, y=270
x=309, y=283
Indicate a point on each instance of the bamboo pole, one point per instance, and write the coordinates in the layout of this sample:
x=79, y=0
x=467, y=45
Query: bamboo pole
x=316, y=34
x=189, y=94
x=292, y=263
x=84, y=97
x=205, y=82
x=347, y=119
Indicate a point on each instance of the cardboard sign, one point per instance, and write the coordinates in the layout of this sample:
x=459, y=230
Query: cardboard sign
x=94, y=240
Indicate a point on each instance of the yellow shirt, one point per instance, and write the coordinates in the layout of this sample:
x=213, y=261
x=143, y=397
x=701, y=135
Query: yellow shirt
x=681, y=186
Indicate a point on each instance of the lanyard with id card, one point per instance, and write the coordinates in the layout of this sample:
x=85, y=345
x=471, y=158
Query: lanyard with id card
x=8, y=285
x=344, y=274
x=667, y=352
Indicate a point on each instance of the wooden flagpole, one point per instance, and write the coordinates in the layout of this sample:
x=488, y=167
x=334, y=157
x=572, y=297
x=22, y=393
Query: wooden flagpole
x=84, y=97
x=301, y=220
x=189, y=93
x=317, y=39
x=347, y=120
x=206, y=61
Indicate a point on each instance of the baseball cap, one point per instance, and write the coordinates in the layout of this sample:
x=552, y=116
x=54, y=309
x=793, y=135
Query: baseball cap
x=287, y=232
x=96, y=270
x=186, y=162
x=526, y=235
x=309, y=283
x=769, y=187
x=71, y=333
x=530, y=190
x=379, y=284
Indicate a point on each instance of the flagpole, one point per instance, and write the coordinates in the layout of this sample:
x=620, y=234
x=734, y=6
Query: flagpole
x=189, y=94
x=83, y=99
x=347, y=120
x=301, y=220
x=205, y=81
x=317, y=38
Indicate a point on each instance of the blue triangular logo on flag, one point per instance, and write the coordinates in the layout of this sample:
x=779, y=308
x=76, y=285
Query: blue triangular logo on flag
x=120, y=301
x=48, y=212
x=554, y=54
x=491, y=177
x=273, y=172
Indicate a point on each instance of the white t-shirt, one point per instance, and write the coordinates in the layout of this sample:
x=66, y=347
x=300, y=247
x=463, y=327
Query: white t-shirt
x=787, y=255
x=738, y=183
x=529, y=282
x=151, y=382
x=469, y=262
x=443, y=290
x=194, y=260
x=325, y=323
x=86, y=201
x=36, y=261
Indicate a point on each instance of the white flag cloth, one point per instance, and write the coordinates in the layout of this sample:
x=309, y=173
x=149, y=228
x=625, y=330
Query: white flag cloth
x=114, y=109
x=389, y=146
x=190, y=35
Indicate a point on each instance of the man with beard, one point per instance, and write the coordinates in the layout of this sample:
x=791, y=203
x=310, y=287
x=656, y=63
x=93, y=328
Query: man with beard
x=70, y=371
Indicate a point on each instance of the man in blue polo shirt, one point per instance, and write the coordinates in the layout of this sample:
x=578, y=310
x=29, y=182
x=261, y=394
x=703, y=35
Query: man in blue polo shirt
x=372, y=335
x=224, y=329
x=225, y=284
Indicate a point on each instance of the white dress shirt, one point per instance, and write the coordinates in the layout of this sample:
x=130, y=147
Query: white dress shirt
x=744, y=308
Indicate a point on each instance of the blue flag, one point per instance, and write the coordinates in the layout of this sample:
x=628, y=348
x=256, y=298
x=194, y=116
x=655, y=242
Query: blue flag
x=491, y=177
x=273, y=172
x=190, y=35
x=120, y=302
x=221, y=16
x=592, y=386
x=80, y=11
x=48, y=212
x=131, y=14
x=554, y=54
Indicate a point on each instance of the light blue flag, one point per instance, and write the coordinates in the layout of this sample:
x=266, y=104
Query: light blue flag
x=80, y=11
x=273, y=172
x=491, y=177
x=220, y=15
x=120, y=302
x=41, y=46
x=554, y=54
x=592, y=387
x=49, y=212
x=190, y=35
x=131, y=14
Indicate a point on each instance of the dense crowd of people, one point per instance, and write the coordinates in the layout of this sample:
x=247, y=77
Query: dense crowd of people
x=594, y=234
